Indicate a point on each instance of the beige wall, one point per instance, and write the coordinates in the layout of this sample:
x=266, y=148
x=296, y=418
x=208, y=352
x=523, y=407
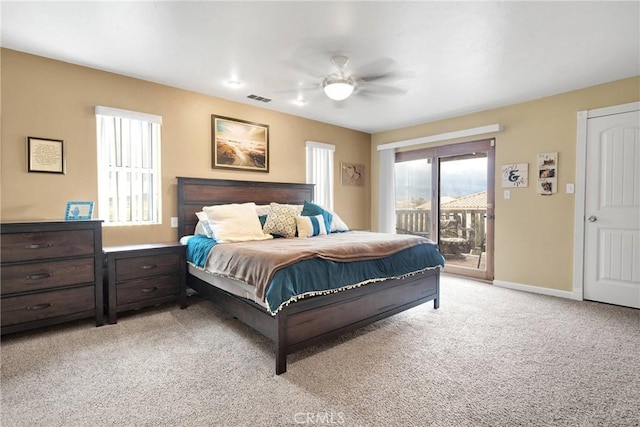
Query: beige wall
x=533, y=233
x=53, y=99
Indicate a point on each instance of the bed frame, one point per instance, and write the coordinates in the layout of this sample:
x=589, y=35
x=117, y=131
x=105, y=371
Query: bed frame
x=307, y=321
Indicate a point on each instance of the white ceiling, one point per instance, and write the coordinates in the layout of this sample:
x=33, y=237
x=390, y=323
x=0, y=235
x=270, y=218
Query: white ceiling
x=449, y=58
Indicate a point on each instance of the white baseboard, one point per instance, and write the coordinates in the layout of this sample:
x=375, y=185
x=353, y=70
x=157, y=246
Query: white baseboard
x=538, y=290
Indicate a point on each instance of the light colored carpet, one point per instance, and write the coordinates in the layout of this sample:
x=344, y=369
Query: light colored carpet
x=487, y=357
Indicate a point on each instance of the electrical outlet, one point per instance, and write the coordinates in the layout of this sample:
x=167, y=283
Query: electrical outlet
x=174, y=222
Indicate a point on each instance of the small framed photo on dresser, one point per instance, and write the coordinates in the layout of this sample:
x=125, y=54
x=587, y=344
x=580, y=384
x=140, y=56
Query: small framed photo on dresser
x=78, y=211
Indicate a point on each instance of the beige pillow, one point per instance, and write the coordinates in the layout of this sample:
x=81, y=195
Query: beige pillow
x=236, y=222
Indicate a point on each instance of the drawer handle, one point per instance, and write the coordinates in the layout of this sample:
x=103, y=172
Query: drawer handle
x=40, y=306
x=38, y=246
x=149, y=266
x=149, y=290
x=39, y=276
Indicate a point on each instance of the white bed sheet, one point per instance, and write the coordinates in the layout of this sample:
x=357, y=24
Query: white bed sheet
x=235, y=287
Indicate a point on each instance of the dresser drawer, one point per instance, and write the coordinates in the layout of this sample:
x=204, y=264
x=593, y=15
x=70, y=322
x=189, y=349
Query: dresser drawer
x=43, y=305
x=146, y=266
x=46, y=244
x=147, y=289
x=46, y=275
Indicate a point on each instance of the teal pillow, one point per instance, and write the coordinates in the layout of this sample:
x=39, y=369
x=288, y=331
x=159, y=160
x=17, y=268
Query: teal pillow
x=311, y=209
x=263, y=219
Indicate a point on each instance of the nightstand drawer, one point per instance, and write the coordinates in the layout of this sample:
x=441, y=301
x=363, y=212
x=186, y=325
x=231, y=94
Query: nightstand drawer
x=43, y=305
x=46, y=244
x=46, y=275
x=146, y=266
x=147, y=289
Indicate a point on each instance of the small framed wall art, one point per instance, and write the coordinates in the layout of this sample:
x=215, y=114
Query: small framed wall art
x=352, y=174
x=238, y=144
x=78, y=211
x=515, y=175
x=45, y=155
x=547, y=173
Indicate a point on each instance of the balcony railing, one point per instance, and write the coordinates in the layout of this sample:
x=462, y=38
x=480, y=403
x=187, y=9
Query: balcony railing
x=471, y=223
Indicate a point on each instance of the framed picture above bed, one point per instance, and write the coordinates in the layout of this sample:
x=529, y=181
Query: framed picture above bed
x=238, y=144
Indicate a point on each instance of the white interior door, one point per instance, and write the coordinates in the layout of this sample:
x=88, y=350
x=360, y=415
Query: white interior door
x=612, y=210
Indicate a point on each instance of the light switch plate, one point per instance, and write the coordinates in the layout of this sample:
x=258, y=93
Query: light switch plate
x=507, y=194
x=174, y=222
x=570, y=189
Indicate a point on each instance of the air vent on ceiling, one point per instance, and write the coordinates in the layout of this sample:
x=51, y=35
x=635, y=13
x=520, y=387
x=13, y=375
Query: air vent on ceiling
x=259, y=98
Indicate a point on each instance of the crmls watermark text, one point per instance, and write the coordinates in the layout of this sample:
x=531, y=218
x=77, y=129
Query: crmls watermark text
x=318, y=418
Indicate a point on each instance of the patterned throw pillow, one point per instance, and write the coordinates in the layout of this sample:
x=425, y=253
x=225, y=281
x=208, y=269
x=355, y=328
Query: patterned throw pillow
x=311, y=209
x=281, y=221
x=309, y=226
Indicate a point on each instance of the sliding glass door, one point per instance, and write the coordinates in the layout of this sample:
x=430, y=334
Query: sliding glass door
x=446, y=193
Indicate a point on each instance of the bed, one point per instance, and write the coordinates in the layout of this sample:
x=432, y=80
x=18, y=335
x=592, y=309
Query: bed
x=295, y=326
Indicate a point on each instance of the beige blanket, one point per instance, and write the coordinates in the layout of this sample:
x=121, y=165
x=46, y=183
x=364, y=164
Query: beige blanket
x=256, y=262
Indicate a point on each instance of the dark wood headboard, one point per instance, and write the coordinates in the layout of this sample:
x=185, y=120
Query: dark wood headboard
x=194, y=193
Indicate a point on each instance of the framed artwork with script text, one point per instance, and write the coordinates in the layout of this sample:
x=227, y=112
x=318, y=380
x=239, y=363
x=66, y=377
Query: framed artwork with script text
x=45, y=155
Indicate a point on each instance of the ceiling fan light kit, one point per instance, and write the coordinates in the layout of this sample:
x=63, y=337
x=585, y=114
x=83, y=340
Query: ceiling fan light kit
x=338, y=88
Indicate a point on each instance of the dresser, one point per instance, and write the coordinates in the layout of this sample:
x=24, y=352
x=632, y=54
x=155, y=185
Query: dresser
x=144, y=275
x=50, y=272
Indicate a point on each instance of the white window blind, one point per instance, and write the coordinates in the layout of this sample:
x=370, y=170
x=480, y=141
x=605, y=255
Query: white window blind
x=129, y=175
x=386, y=200
x=320, y=171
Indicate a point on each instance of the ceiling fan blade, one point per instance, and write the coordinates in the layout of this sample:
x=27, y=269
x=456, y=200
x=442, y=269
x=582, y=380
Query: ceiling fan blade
x=305, y=68
x=392, y=75
x=381, y=69
x=381, y=90
x=380, y=66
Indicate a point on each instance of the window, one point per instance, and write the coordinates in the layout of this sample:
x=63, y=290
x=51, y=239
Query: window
x=128, y=167
x=320, y=172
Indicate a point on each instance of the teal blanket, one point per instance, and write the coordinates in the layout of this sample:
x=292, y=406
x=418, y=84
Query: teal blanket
x=320, y=276
x=198, y=248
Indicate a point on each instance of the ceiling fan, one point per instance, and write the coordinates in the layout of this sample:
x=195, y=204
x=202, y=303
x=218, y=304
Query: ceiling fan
x=341, y=84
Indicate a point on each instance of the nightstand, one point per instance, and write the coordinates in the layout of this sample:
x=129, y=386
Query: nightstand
x=144, y=275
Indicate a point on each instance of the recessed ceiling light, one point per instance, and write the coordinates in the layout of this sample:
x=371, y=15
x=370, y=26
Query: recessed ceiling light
x=299, y=102
x=233, y=84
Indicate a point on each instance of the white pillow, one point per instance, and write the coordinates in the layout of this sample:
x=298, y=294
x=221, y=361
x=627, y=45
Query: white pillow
x=235, y=222
x=309, y=226
x=262, y=210
x=281, y=221
x=337, y=224
x=203, y=226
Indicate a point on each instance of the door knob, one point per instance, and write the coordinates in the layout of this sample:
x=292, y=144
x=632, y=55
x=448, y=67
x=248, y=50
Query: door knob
x=593, y=218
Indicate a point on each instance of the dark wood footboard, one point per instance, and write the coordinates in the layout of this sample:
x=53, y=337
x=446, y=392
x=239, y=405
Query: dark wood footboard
x=297, y=326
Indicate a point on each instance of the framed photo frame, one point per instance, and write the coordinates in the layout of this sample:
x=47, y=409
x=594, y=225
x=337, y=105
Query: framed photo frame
x=547, y=173
x=351, y=174
x=45, y=155
x=238, y=144
x=78, y=211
